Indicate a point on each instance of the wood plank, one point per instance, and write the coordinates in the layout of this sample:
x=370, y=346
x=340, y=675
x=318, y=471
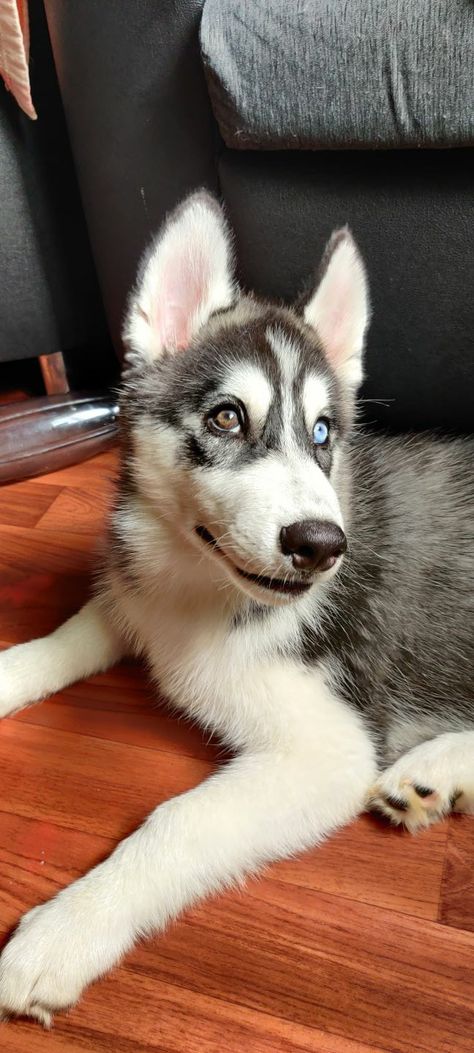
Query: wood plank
x=37, y=858
x=99, y=469
x=23, y=504
x=366, y=861
x=33, y=605
x=377, y=864
x=348, y=969
x=86, y=509
x=99, y=787
x=45, y=572
x=168, y=1019
x=120, y=705
x=457, y=889
x=308, y=969
x=44, y=577
x=197, y=1023
x=45, y=857
x=61, y=552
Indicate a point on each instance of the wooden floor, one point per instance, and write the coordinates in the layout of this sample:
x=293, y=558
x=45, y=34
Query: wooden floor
x=365, y=945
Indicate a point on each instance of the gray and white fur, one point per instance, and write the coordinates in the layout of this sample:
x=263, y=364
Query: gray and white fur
x=298, y=586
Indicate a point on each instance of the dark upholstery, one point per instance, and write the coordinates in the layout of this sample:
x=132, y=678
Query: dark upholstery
x=412, y=215
x=328, y=73
x=49, y=297
x=143, y=134
x=139, y=119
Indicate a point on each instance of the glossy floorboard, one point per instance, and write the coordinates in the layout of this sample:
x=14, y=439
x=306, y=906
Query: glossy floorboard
x=362, y=946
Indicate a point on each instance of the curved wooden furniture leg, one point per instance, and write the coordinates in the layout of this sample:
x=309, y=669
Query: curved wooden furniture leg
x=53, y=369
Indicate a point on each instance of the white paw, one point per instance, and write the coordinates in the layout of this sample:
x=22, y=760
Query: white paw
x=13, y=689
x=426, y=784
x=53, y=955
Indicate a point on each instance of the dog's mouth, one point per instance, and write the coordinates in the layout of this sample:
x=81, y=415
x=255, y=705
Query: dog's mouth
x=292, y=587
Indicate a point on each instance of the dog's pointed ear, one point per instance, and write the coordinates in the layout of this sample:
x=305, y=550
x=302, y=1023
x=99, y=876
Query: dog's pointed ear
x=184, y=278
x=339, y=309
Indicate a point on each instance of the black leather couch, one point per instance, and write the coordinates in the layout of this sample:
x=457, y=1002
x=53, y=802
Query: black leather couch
x=143, y=133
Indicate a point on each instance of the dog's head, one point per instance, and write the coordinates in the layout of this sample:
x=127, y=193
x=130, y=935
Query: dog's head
x=237, y=409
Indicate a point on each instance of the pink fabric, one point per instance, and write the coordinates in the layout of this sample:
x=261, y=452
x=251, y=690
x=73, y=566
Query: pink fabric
x=14, y=52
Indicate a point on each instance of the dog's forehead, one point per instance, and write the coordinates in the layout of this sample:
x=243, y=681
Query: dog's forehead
x=269, y=361
x=273, y=338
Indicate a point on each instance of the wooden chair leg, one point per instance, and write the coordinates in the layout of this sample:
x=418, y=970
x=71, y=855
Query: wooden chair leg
x=53, y=369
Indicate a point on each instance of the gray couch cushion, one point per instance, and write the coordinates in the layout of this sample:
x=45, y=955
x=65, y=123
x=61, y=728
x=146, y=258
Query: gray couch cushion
x=308, y=74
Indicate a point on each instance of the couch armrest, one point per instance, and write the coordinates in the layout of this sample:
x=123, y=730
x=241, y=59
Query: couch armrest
x=139, y=121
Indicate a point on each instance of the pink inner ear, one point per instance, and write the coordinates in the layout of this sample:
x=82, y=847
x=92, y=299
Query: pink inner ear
x=337, y=320
x=338, y=310
x=183, y=290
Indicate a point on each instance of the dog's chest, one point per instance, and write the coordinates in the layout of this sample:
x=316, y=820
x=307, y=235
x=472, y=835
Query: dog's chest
x=212, y=668
x=193, y=650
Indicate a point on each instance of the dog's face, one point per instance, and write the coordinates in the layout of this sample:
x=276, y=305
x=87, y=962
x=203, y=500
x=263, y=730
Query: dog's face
x=237, y=410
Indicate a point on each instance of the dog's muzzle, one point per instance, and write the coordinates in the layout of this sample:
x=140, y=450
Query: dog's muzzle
x=289, y=586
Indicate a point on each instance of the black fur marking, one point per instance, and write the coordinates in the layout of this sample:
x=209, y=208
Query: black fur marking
x=195, y=452
x=253, y=613
x=295, y=588
x=423, y=791
x=396, y=802
x=271, y=435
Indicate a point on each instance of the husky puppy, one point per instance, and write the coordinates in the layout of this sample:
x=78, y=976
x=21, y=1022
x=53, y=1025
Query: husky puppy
x=301, y=588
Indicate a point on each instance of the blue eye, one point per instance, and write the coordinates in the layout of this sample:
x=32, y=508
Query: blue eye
x=321, y=432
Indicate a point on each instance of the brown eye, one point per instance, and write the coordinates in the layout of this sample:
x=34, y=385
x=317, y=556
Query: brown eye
x=225, y=420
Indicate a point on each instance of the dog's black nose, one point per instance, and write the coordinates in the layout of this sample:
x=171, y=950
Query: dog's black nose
x=313, y=544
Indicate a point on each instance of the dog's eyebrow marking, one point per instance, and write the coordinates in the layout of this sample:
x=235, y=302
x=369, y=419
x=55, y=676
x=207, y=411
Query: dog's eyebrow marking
x=315, y=399
x=249, y=383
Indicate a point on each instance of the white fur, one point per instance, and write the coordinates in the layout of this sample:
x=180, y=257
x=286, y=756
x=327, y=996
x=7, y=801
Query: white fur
x=187, y=276
x=248, y=383
x=288, y=359
x=315, y=400
x=339, y=309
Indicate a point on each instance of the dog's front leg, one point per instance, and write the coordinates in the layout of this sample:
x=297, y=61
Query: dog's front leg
x=264, y=805
x=87, y=643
